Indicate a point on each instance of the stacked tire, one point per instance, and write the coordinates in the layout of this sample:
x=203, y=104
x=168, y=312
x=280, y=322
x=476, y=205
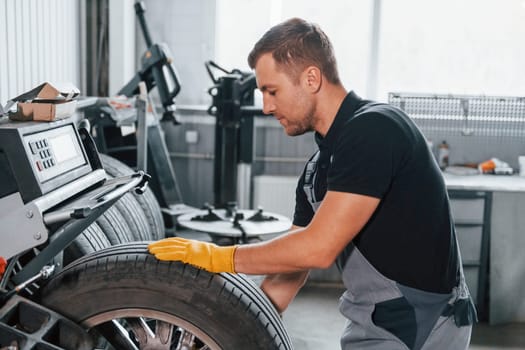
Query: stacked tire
x=147, y=201
x=133, y=218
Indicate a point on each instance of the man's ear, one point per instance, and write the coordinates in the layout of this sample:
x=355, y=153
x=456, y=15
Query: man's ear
x=313, y=78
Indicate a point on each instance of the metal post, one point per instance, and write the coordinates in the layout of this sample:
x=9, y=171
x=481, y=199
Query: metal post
x=142, y=134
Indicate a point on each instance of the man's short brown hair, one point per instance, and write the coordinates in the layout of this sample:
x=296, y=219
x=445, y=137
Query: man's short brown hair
x=296, y=44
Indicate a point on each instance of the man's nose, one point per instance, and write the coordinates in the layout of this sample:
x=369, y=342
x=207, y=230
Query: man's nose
x=268, y=106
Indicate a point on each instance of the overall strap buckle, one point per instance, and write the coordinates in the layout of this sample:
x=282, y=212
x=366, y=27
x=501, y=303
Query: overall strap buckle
x=309, y=179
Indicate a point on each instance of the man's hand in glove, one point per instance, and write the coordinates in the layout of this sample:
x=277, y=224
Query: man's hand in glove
x=207, y=256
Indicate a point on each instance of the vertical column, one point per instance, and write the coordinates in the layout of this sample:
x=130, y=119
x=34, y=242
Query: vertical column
x=121, y=43
x=371, y=89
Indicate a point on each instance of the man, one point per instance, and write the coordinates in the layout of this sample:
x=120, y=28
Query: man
x=372, y=199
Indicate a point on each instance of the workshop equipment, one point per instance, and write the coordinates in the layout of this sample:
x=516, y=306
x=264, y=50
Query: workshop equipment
x=240, y=225
x=144, y=148
x=234, y=110
x=53, y=187
x=42, y=166
x=157, y=70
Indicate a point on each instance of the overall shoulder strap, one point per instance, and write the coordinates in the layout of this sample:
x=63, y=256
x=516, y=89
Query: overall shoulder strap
x=309, y=180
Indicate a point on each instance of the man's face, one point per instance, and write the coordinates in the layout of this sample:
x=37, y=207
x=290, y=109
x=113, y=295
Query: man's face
x=288, y=101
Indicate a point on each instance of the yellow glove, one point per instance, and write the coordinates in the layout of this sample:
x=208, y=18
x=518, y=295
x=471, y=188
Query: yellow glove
x=207, y=256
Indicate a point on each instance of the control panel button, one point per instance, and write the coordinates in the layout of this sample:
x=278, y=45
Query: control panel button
x=32, y=146
x=39, y=165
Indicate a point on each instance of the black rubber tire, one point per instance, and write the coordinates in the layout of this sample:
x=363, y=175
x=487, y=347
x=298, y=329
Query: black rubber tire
x=90, y=240
x=134, y=216
x=109, y=229
x=114, y=226
x=228, y=309
x=147, y=200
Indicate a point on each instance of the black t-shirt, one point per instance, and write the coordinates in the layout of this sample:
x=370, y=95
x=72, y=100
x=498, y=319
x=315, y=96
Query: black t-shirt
x=375, y=149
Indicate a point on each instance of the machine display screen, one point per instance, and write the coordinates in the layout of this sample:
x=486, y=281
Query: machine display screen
x=55, y=152
x=63, y=147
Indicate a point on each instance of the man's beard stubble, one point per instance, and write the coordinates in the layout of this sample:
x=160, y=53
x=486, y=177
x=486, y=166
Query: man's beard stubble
x=304, y=126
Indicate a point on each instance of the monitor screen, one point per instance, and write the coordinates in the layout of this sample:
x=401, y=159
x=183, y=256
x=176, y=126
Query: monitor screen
x=63, y=147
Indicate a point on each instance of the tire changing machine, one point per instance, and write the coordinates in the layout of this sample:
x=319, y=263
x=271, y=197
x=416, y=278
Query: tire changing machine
x=234, y=110
x=144, y=149
x=53, y=187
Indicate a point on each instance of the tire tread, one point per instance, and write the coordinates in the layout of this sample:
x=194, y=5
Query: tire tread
x=236, y=295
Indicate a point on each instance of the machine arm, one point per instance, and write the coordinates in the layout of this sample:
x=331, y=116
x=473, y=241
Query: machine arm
x=157, y=70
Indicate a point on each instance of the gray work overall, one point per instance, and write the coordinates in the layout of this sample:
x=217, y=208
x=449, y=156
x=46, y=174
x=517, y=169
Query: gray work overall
x=385, y=315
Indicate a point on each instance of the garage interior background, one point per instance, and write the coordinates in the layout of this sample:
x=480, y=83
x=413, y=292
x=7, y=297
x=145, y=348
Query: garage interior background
x=446, y=47
x=434, y=47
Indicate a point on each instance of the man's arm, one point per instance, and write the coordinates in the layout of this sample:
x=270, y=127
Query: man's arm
x=282, y=288
x=338, y=220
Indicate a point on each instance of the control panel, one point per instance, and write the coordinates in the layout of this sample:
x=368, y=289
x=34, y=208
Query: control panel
x=54, y=152
x=36, y=158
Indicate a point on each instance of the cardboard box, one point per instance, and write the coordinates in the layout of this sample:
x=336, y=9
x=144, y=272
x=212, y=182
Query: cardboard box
x=42, y=111
x=46, y=102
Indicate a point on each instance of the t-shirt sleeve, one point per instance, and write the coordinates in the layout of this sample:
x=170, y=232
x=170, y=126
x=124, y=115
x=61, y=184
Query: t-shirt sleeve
x=365, y=156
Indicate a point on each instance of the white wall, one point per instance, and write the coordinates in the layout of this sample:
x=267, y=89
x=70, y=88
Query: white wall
x=446, y=46
x=39, y=41
x=187, y=27
x=457, y=47
x=240, y=23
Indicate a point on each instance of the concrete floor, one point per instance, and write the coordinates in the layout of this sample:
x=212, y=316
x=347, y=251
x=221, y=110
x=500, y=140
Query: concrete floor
x=314, y=322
